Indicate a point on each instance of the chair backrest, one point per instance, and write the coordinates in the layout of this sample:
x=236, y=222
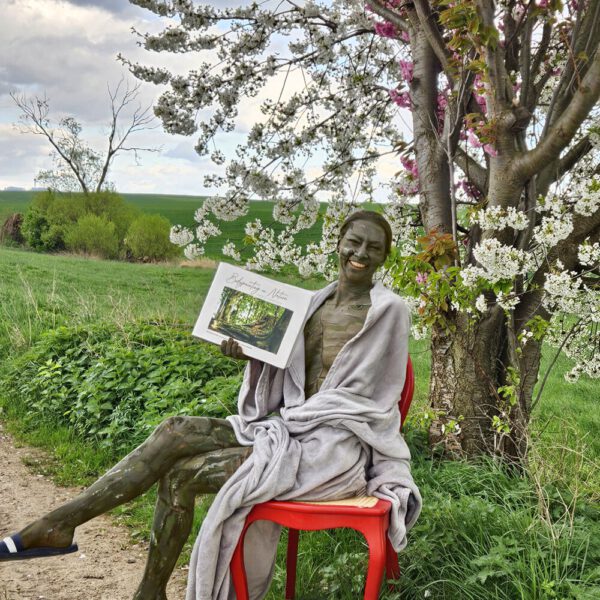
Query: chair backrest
x=407, y=392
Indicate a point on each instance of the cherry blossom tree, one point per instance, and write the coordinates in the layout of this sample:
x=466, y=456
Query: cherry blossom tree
x=496, y=198
x=78, y=167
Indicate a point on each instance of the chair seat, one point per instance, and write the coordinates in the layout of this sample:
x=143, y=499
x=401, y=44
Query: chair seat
x=358, y=501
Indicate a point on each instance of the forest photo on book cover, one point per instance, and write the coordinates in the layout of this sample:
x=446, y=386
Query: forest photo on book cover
x=252, y=320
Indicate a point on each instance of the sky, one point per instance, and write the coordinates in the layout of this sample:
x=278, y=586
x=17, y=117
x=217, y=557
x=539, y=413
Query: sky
x=67, y=50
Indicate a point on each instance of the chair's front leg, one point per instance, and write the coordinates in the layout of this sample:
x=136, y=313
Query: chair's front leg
x=392, y=566
x=292, y=559
x=375, y=535
x=238, y=570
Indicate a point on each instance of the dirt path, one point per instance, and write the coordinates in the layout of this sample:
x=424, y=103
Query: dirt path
x=107, y=567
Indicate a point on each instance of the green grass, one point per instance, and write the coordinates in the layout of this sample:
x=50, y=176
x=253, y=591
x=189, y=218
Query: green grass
x=484, y=533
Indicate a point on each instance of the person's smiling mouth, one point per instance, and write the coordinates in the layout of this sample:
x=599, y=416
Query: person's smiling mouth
x=357, y=265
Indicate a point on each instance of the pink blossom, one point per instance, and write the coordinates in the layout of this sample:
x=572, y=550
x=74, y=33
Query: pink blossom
x=421, y=278
x=386, y=29
x=489, y=149
x=404, y=36
x=481, y=101
x=411, y=166
x=400, y=98
x=406, y=69
x=470, y=190
x=473, y=139
x=543, y=3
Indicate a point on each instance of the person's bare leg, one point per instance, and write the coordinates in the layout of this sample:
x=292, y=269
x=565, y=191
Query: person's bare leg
x=174, y=512
x=174, y=439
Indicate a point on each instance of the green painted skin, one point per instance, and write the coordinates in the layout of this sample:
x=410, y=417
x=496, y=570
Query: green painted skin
x=188, y=456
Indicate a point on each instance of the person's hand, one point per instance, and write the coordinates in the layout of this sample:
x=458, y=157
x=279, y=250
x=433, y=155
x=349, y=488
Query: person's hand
x=232, y=349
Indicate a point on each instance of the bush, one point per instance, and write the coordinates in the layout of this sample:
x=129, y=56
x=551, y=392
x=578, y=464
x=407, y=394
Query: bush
x=93, y=235
x=114, y=385
x=35, y=225
x=51, y=217
x=148, y=238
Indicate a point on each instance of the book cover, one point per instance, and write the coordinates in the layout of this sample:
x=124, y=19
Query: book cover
x=265, y=316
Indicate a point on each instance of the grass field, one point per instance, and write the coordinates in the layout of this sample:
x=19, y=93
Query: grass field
x=483, y=534
x=179, y=210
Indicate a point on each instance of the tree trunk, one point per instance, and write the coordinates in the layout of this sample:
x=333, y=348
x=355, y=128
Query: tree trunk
x=468, y=367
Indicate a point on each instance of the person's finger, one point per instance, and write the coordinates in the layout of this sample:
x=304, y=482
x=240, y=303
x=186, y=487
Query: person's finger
x=224, y=346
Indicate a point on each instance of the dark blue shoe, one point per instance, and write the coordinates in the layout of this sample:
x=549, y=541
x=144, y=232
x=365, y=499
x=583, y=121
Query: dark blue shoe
x=11, y=548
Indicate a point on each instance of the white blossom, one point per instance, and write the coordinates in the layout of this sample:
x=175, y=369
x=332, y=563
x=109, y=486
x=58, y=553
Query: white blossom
x=205, y=230
x=481, y=304
x=500, y=262
x=588, y=203
x=553, y=229
x=230, y=250
x=589, y=254
x=507, y=301
x=498, y=218
x=180, y=236
x=193, y=251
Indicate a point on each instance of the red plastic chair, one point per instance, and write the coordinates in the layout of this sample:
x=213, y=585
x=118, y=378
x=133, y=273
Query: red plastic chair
x=372, y=522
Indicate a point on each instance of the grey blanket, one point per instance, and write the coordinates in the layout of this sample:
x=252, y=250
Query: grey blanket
x=340, y=442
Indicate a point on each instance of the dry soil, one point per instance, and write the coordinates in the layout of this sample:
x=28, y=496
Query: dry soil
x=108, y=566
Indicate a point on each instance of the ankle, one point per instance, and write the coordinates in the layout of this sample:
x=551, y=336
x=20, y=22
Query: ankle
x=44, y=533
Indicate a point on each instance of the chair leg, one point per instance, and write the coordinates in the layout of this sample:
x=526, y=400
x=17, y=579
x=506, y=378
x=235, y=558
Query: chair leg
x=238, y=570
x=292, y=558
x=377, y=560
x=392, y=566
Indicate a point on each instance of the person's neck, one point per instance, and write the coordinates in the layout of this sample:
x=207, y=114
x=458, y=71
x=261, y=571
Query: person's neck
x=347, y=293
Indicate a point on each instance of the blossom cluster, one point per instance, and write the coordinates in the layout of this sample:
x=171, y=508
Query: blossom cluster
x=497, y=262
x=498, y=218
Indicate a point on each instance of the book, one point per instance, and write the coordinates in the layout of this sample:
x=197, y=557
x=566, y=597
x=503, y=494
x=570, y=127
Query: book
x=265, y=316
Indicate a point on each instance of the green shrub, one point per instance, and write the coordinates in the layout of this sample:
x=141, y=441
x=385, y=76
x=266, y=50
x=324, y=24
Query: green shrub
x=93, y=235
x=51, y=217
x=35, y=225
x=148, y=238
x=114, y=385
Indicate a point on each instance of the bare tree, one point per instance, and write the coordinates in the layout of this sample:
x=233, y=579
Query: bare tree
x=77, y=166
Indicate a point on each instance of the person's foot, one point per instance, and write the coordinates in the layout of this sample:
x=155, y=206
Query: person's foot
x=42, y=533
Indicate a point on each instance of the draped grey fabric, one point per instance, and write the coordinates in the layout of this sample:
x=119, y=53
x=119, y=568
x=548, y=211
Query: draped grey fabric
x=341, y=441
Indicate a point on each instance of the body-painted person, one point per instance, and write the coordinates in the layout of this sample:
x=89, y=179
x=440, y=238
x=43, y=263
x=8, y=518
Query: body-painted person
x=354, y=356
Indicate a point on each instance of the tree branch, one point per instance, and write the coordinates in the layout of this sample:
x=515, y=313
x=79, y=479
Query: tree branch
x=434, y=37
x=565, y=127
x=475, y=173
x=380, y=8
x=494, y=60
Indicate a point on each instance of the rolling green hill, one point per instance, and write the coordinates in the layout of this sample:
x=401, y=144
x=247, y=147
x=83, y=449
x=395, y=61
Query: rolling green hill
x=179, y=210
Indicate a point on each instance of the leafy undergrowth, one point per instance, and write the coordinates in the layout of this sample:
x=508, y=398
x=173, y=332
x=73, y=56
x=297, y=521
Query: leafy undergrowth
x=112, y=385
x=89, y=394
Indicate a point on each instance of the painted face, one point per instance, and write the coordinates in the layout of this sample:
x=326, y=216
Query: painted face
x=361, y=252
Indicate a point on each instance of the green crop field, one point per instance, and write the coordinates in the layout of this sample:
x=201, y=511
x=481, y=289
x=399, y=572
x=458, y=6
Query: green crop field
x=180, y=211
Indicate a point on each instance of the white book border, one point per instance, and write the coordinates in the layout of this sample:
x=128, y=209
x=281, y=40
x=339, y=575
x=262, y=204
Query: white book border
x=282, y=294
